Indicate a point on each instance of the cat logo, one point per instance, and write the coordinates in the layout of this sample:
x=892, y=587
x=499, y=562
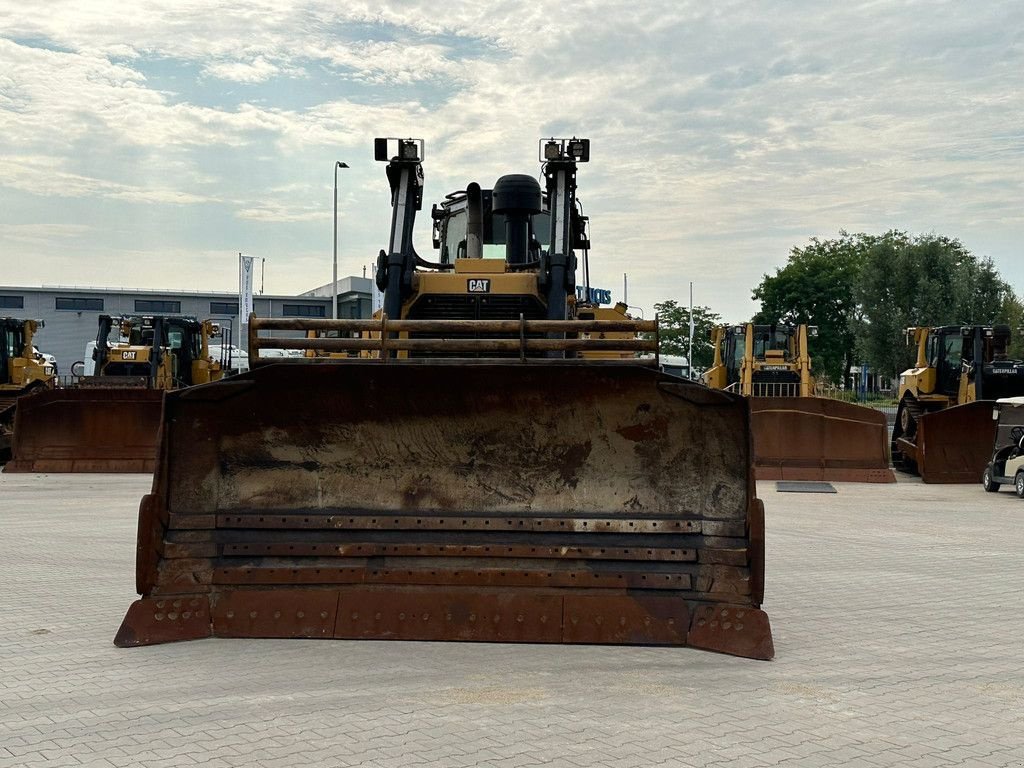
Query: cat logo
x=478, y=285
x=130, y=355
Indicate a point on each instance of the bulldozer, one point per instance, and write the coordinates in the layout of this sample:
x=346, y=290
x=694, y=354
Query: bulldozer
x=22, y=372
x=461, y=470
x=762, y=360
x=944, y=430
x=108, y=421
x=797, y=436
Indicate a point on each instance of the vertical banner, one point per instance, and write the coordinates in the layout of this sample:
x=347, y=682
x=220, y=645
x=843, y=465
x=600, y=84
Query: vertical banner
x=245, y=273
x=245, y=270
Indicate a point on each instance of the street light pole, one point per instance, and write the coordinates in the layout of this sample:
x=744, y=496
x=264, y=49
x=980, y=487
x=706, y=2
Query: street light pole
x=334, y=283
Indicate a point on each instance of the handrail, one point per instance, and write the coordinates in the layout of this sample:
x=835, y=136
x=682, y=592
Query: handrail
x=450, y=326
x=383, y=336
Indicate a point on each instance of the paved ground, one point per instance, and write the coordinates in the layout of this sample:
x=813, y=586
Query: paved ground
x=899, y=629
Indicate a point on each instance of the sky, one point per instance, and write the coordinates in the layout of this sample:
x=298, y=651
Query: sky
x=145, y=143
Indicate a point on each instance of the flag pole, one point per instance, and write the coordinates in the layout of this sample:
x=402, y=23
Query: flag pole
x=239, y=342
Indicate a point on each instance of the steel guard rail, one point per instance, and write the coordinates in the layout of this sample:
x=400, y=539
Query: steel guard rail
x=384, y=335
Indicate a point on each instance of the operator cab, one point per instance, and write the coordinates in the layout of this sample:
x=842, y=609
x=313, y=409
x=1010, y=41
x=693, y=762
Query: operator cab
x=946, y=354
x=11, y=344
x=498, y=229
x=773, y=342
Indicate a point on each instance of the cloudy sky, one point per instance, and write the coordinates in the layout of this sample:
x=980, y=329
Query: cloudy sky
x=143, y=143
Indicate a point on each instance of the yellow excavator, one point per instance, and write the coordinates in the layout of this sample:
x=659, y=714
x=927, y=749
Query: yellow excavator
x=490, y=460
x=108, y=421
x=944, y=428
x=797, y=436
x=22, y=372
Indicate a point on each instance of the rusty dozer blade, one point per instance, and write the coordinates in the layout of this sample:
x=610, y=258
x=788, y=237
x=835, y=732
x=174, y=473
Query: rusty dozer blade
x=952, y=445
x=86, y=430
x=563, y=502
x=815, y=438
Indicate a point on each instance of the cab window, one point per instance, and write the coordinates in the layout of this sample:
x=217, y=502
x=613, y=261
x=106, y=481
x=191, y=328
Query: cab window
x=953, y=345
x=453, y=246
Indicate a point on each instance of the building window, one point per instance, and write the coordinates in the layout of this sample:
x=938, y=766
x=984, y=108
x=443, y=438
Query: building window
x=153, y=305
x=304, y=310
x=79, y=305
x=224, y=308
x=12, y=302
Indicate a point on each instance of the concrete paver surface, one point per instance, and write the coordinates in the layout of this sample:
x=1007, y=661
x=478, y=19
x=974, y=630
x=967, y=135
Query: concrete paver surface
x=897, y=613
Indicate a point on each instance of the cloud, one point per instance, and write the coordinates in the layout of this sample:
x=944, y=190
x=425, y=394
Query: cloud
x=42, y=175
x=722, y=134
x=256, y=71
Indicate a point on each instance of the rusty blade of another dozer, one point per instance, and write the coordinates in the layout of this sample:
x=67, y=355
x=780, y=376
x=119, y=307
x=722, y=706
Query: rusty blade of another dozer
x=86, y=430
x=953, y=445
x=815, y=438
x=574, y=503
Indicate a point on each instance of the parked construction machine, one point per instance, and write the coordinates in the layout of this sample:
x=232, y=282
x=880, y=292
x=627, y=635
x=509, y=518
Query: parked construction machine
x=22, y=372
x=944, y=428
x=463, y=472
x=797, y=436
x=108, y=421
x=762, y=360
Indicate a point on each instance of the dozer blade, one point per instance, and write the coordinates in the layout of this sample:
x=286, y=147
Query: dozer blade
x=567, y=502
x=815, y=438
x=86, y=430
x=953, y=445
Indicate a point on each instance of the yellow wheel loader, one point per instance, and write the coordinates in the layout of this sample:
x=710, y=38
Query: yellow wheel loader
x=22, y=371
x=108, y=421
x=485, y=462
x=944, y=430
x=796, y=436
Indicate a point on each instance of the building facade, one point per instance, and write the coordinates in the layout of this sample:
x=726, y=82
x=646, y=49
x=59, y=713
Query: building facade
x=71, y=314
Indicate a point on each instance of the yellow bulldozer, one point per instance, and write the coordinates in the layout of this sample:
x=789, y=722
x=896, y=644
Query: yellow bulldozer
x=944, y=428
x=762, y=360
x=22, y=371
x=797, y=436
x=108, y=420
x=483, y=461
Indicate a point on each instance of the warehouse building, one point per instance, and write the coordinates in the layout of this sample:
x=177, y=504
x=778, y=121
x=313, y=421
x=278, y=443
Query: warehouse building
x=71, y=314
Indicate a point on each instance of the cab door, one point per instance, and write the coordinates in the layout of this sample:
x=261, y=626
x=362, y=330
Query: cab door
x=948, y=363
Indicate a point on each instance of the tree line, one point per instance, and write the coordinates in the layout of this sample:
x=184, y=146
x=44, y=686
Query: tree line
x=863, y=291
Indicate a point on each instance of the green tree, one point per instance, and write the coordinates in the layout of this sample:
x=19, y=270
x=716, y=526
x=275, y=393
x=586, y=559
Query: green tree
x=818, y=286
x=1012, y=313
x=922, y=280
x=674, y=331
x=863, y=291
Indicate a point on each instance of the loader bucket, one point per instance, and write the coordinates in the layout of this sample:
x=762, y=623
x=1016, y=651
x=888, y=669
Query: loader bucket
x=815, y=438
x=952, y=445
x=86, y=430
x=570, y=502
